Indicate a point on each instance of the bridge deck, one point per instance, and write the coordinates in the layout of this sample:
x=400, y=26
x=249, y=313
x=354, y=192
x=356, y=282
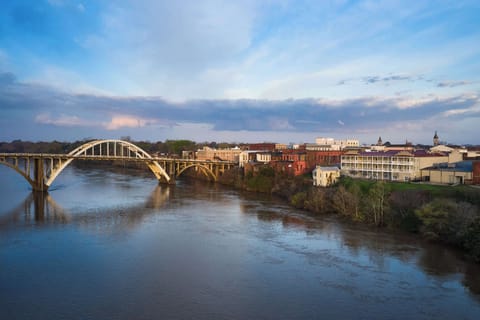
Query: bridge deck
x=109, y=157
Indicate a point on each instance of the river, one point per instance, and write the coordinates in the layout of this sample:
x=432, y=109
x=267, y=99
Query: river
x=106, y=244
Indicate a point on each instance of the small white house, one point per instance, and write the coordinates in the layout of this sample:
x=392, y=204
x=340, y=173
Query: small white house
x=325, y=176
x=254, y=155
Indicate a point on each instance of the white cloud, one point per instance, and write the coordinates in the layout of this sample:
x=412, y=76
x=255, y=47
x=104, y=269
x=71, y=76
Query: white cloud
x=128, y=121
x=63, y=121
x=279, y=63
x=117, y=121
x=452, y=84
x=110, y=113
x=271, y=49
x=157, y=47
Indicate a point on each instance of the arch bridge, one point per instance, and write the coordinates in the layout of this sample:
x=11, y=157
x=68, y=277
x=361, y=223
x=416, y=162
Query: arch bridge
x=40, y=170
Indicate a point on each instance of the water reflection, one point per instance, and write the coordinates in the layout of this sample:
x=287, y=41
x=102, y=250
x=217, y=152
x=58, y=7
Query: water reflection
x=158, y=197
x=380, y=247
x=267, y=211
x=471, y=280
x=36, y=208
x=41, y=209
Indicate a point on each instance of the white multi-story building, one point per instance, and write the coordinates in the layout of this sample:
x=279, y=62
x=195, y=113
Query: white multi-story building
x=325, y=141
x=332, y=144
x=389, y=165
x=258, y=156
x=208, y=153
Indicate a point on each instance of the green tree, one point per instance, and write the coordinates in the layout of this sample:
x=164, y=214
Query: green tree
x=356, y=201
x=471, y=240
x=177, y=146
x=435, y=218
x=403, y=204
x=298, y=200
x=261, y=181
x=377, y=200
x=341, y=201
x=317, y=200
x=460, y=221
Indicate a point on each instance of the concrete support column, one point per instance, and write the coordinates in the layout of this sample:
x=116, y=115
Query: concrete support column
x=162, y=180
x=39, y=176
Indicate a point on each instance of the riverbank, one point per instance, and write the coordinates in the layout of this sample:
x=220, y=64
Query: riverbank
x=447, y=214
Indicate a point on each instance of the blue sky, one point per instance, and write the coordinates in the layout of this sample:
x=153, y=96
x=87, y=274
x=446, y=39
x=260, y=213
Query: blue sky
x=240, y=71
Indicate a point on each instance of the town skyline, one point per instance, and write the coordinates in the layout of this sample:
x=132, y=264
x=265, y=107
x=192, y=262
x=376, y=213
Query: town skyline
x=250, y=71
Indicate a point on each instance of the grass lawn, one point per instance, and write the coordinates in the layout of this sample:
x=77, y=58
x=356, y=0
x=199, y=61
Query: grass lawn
x=459, y=192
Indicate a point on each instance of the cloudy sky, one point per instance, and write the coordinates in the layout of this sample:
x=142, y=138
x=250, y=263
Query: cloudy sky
x=240, y=71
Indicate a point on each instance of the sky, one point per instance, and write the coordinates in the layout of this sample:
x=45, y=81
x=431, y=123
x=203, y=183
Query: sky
x=240, y=71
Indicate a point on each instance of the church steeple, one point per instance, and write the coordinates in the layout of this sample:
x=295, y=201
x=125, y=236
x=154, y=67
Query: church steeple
x=379, y=142
x=435, y=139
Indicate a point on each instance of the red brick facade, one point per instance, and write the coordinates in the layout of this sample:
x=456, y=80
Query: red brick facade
x=285, y=167
x=294, y=155
x=476, y=172
x=323, y=158
x=262, y=146
x=296, y=162
x=289, y=167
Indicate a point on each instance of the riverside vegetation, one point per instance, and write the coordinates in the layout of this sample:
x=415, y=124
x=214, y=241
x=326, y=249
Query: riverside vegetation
x=439, y=213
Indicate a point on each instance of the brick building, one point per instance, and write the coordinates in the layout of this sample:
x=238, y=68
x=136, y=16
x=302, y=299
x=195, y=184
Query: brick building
x=265, y=146
x=476, y=172
x=323, y=158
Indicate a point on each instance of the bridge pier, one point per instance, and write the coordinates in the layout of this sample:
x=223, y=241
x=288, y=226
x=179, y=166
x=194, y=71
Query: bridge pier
x=39, y=176
x=164, y=181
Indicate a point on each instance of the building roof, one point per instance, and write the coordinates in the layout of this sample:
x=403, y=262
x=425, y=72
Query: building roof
x=463, y=166
x=423, y=153
x=328, y=168
x=397, y=153
x=390, y=153
x=257, y=151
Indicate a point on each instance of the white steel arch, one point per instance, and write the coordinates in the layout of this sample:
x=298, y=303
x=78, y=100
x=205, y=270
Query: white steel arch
x=17, y=169
x=119, y=147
